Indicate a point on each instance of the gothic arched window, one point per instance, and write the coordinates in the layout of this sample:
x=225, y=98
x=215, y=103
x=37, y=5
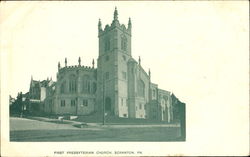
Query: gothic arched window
x=86, y=84
x=62, y=88
x=124, y=43
x=94, y=87
x=163, y=103
x=72, y=84
x=141, y=88
x=89, y=87
x=107, y=44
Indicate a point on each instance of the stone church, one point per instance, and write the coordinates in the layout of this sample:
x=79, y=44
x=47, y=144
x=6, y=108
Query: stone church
x=118, y=86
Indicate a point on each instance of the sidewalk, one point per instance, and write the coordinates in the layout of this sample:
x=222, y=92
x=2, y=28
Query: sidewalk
x=113, y=125
x=19, y=124
x=117, y=125
x=64, y=121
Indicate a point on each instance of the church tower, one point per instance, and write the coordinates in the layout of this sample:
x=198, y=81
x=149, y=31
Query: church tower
x=114, y=53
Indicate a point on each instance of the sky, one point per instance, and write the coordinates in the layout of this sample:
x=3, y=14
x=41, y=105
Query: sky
x=198, y=51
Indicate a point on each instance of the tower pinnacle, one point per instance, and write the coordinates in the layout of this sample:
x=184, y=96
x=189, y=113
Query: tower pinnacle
x=93, y=63
x=79, y=61
x=129, y=23
x=99, y=25
x=116, y=14
x=59, y=66
x=65, y=62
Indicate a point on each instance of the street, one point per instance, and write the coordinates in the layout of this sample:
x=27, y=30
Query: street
x=22, y=129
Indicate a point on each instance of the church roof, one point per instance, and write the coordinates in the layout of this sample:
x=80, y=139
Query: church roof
x=132, y=60
x=35, y=83
x=163, y=91
x=43, y=83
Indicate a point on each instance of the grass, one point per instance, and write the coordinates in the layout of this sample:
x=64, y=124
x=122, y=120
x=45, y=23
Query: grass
x=151, y=134
x=38, y=131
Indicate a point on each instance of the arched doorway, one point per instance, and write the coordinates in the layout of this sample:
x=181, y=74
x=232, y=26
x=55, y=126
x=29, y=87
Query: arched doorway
x=107, y=104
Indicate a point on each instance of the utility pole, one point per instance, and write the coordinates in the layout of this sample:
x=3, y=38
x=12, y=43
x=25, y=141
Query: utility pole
x=76, y=103
x=21, y=104
x=103, y=86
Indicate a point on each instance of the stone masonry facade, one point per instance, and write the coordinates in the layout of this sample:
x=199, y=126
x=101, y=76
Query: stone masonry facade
x=118, y=86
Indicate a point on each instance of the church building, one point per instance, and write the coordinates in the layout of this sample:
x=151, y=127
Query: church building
x=118, y=86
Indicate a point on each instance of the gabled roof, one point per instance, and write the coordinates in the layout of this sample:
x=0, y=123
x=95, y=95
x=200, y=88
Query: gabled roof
x=35, y=83
x=44, y=83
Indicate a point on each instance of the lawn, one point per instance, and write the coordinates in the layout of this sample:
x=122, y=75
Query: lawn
x=32, y=130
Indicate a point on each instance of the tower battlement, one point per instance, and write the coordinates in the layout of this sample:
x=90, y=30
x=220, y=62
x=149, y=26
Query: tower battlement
x=115, y=24
x=115, y=37
x=76, y=67
x=82, y=67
